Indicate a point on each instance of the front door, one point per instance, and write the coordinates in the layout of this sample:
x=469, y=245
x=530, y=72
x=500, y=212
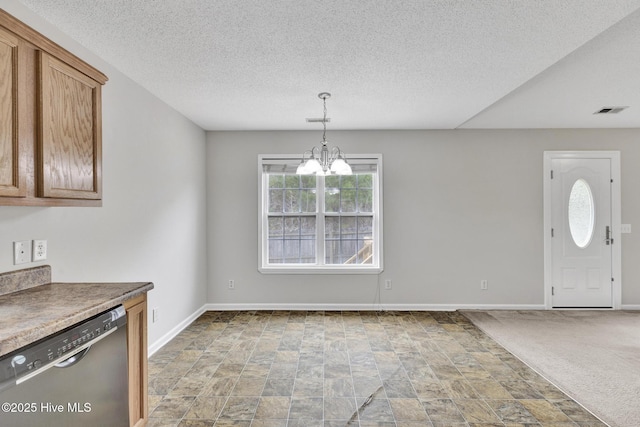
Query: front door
x=581, y=234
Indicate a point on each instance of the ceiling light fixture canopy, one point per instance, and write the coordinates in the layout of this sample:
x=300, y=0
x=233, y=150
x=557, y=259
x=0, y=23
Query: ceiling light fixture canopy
x=322, y=160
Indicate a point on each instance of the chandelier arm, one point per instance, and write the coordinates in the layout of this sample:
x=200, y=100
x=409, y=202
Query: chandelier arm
x=335, y=153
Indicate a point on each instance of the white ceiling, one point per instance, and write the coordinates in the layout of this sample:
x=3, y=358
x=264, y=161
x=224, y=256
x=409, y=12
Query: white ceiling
x=403, y=64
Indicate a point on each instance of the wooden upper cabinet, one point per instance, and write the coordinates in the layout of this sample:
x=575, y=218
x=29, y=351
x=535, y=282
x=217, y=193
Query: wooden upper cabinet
x=50, y=122
x=12, y=158
x=69, y=141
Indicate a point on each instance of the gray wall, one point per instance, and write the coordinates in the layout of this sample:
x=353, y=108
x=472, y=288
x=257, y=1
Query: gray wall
x=151, y=226
x=459, y=207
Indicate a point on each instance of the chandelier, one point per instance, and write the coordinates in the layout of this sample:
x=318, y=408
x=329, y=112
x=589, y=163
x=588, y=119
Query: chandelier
x=322, y=160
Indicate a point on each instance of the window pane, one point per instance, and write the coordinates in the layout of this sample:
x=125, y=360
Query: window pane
x=308, y=181
x=332, y=227
x=276, y=227
x=308, y=228
x=348, y=240
x=348, y=181
x=348, y=251
x=308, y=200
x=365, y=180
x=292, y=240
x=365, y=200
x=276, y=181
x=365, y=226
x=299, y=251
x=291, y=227
x=292, y=181
x=292, y=193
x=332, y=199
x=348, y=227
x=365, y=251
x=291, y=251
x=291, y=200
x=307, y=251
x=581, y=213
x=276, y=251
x=275, y=201
x=349, y=194
x=332, y=181
x=332, y=252
x=348, y=201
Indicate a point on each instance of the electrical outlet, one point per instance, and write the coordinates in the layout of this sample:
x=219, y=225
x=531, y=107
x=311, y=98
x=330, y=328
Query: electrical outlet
x=154, y=315
x=21, y=252
x=39, y=250
x=232, y=284
x=484, y=285
x=388, y=285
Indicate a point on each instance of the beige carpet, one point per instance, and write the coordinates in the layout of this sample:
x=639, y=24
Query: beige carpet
x=593, y=356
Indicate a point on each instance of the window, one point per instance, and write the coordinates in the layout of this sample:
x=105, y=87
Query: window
x=581, y=213
x=323, y=224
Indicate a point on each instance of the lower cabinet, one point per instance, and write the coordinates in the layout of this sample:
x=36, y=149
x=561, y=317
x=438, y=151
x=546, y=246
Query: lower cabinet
x=137, y=358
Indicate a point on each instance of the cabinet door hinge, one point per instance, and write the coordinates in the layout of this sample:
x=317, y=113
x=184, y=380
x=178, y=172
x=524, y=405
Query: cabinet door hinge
x=552, y=174
x=553, y=291
x=552, y=232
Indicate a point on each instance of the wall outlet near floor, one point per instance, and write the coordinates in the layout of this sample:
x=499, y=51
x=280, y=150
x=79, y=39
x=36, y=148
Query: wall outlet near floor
x=21, y=252
x=484, y=285
x=39, y=250
x=388, y=285
x=232, y=284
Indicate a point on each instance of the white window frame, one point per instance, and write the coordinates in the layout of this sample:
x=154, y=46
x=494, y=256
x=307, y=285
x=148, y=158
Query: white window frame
x=376, y=267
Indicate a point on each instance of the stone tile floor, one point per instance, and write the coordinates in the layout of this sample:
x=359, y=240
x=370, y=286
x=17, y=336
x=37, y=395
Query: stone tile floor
x=330, y=369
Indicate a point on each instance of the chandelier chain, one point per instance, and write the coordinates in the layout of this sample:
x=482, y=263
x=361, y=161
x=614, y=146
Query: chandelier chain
x=324, y=121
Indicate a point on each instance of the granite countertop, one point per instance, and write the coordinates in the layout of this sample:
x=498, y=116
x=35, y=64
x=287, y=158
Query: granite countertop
x=34, y=312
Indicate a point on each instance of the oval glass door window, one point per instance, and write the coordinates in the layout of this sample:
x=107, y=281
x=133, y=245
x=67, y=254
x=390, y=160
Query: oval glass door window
x=581, y=213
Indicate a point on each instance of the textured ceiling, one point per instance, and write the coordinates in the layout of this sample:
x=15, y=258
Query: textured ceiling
x=404, y=64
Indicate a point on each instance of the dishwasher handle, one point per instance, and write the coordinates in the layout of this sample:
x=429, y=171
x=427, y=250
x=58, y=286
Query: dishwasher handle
x=73, y=359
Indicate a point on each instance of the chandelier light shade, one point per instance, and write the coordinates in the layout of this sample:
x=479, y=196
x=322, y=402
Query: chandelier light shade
x=322, y=160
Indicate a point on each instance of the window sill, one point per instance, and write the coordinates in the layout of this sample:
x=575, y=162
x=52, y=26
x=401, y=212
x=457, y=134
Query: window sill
x=320, y=270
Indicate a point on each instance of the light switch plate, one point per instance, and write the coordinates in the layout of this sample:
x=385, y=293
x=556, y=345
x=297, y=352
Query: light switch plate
x=625, y=228
x=21, y=252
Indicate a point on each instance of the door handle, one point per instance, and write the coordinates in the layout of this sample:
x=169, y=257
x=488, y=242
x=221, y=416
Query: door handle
x=608, y=239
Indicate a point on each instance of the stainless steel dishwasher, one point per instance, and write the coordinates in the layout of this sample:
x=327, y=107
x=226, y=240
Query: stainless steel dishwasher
x=76, y=377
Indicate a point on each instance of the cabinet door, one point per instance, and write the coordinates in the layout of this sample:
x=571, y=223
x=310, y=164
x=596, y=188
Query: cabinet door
x=12, y=157
x=69, y=142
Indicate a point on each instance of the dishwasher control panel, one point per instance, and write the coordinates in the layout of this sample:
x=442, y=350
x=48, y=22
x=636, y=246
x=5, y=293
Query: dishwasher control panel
x=51, y=349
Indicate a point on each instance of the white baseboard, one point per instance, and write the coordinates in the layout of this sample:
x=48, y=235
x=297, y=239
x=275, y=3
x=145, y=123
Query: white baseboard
x=372, y=307
x=158, y=344
x=630, y=307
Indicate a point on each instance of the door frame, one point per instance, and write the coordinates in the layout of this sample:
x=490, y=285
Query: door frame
x=616, y=219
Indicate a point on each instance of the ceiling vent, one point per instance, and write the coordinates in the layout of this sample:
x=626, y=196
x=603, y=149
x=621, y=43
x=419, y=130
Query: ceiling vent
x=610, y=110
